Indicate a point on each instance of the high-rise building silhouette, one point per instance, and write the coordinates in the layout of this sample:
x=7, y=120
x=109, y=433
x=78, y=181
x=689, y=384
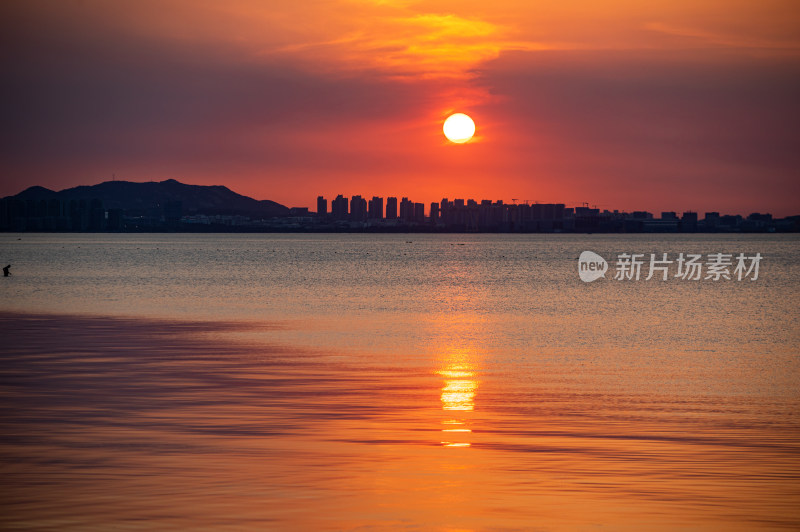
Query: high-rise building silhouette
x=376, y=208
x=358, y=209
x=391, y=208
x=434, y=214
x=406, y=210
x=322, y=206
x=419, y=212
x=711, y=220
x=339, y=208
x=445, y=207
x=689, y=221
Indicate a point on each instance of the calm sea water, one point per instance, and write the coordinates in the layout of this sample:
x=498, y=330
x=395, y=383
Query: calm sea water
x=445, y=382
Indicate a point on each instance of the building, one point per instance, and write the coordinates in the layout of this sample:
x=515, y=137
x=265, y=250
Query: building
x=391, y=208
x=358, y=209
x=711, y=221
x=322, y=206
x=419, y=212
x=339, y=208
x=406, y=210
x=375, y=208
x=434, y=213
x=444, y=211
x=689, y=222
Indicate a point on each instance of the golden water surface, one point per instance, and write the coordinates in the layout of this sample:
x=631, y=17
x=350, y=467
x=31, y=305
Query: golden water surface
x=501, y=397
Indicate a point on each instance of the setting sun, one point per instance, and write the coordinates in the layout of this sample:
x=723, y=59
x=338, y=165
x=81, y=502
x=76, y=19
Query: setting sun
x=458, y=128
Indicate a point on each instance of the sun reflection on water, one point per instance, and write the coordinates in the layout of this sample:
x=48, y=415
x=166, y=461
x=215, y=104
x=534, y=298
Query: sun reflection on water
x=458, y=395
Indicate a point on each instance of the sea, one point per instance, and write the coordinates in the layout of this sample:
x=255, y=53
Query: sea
x=450, y=382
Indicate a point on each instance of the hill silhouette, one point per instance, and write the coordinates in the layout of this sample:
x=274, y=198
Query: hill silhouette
x=139, y=198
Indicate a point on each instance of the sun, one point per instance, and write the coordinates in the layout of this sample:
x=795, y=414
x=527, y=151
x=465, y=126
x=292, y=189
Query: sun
x=458, y=128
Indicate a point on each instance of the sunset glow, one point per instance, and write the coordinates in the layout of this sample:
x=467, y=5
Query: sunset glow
x=447, y=265
x=658, y=106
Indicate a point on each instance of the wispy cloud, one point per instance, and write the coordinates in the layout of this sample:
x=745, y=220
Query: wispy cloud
x=412, y=45
x=694, y=35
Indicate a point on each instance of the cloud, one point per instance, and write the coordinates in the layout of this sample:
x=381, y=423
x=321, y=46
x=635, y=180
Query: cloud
x=81, y=104
x=403, y=44
x=617, y=120
x=789, y=44
x=600, y=98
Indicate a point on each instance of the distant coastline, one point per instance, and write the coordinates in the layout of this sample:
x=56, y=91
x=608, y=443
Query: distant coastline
x=171, y=206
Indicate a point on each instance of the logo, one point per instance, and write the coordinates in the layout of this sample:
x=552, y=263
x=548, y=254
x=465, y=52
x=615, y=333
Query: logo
x=688, y=266
x=591, y=266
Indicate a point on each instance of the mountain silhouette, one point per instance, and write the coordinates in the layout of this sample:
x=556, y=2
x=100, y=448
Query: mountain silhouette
x=140, y=198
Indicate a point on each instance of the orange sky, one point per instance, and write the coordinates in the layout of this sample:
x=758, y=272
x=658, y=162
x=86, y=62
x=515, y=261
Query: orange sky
x=631, y=105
